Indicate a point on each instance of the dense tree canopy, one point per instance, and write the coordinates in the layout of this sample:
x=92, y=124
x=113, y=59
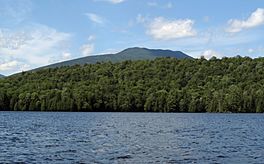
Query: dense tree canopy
x=160, y=85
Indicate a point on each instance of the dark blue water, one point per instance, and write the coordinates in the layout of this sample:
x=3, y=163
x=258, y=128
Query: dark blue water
x=131, y=138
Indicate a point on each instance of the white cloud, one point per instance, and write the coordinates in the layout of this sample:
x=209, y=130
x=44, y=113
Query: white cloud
x=110, y=51
x=33, y=46
x=210, y=53
x=10, y=65
x=162, y=29
x=15, y=11
x=66, y=55
x=24, y=67
x=116, y=1
x=159, y=5
x=254, y=20
x=13, y=66
x=60, y=56
x=95, y=18
x=87, y=49
x=112, y=1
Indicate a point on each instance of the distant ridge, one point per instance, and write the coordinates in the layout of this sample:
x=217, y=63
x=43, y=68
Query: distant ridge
x=1, y=76
x=134, y=53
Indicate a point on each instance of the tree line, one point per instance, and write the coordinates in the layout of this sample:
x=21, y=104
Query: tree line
x=161, y=85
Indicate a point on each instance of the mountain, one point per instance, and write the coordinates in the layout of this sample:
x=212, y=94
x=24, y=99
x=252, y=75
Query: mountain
x=135, y=53
x=1, y=76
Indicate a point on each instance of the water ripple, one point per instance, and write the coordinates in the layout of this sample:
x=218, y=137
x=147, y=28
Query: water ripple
x=27, y=137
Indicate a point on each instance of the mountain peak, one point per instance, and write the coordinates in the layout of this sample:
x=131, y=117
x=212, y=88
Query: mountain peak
x=138, y=51
x=134, y=49
x=134, y=53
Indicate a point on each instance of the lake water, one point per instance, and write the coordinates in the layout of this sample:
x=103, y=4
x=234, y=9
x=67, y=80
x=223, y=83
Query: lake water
x=35, y=137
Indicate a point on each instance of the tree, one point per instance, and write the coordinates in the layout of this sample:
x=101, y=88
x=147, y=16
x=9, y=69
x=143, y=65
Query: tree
x=159, y=85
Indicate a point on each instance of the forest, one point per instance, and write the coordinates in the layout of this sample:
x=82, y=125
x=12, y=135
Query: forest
x=162, y=85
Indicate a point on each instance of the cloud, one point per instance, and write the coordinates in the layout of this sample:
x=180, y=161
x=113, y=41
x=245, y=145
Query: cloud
x=87, y=49
x=34, y=45
x=156, y=4
x=15, y=11
x=112, y=1
x=162, y=29
x=8, y=65
x=116, y=1
x=210, y=53
x=66, y=55
x=254, y=20
x=60, y=56
x=95, y=18
x=13, y=66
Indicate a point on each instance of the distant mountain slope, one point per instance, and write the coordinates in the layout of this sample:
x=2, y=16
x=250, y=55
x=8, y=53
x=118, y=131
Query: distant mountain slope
x=127, y=54
x=1, y=76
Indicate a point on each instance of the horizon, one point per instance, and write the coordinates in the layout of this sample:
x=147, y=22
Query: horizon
x=31, y=37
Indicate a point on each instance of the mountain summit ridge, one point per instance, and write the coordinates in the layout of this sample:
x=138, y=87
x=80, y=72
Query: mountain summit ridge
x=134, y=53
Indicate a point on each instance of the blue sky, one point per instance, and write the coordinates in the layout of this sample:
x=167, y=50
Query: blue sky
x=35, y=33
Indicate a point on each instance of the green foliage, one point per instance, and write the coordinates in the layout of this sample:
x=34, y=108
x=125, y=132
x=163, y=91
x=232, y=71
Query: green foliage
x=160, y=85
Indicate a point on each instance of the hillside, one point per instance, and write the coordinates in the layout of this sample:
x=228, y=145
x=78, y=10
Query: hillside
x=159, y=85
x=127, y=54
x=1, y=76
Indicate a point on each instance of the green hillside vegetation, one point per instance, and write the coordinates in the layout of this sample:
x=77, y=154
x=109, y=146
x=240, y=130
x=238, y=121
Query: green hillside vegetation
x=160, y=85
x=135, y=53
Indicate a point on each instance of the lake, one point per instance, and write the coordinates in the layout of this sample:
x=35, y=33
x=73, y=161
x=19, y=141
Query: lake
x=43, y=137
